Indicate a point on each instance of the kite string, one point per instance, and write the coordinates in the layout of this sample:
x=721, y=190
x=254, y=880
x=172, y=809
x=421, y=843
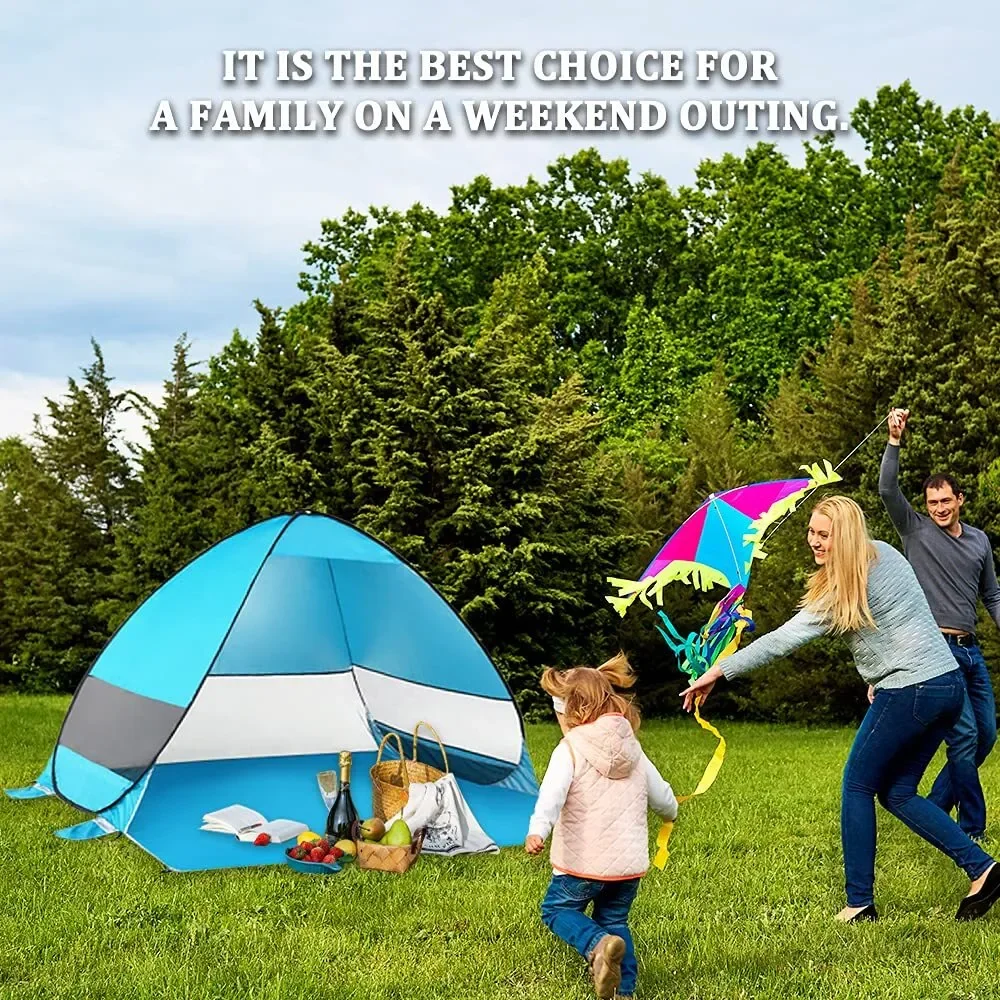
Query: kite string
x=851, y=453
x=858, y=447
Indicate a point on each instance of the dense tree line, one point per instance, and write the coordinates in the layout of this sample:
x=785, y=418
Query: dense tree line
x=524, y=393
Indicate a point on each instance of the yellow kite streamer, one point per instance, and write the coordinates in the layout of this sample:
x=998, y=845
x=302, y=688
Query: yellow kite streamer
x=711, y=773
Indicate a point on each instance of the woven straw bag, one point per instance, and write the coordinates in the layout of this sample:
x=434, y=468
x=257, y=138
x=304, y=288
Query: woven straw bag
x=391, y=778
x=419, y=771
x=390, y=781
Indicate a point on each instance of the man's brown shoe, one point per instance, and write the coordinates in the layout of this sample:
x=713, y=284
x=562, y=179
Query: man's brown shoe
x=606, y=965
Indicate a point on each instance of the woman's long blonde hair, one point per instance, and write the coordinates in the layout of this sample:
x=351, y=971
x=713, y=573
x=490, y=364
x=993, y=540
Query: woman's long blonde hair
x=838, y=591
x=591, y=692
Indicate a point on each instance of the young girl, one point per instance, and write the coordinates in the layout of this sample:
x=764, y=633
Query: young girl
x=594, y=797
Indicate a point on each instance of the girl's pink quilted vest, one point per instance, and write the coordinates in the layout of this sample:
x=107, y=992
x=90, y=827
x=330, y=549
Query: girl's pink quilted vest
x=601, y=832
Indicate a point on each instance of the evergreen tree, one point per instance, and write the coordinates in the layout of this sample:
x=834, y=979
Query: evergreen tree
x=83, y=448
x=938, y=337
x=468, y=461
x=49, y=629
x=164, y=533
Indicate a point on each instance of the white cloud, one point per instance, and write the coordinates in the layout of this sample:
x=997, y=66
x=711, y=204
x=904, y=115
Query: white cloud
x=108, y=231
x=23, y=396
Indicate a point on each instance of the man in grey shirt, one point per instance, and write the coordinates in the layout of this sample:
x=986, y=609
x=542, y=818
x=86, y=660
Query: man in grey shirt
x=954, y=564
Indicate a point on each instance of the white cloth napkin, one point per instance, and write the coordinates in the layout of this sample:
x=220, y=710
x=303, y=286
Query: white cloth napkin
x=440, y=808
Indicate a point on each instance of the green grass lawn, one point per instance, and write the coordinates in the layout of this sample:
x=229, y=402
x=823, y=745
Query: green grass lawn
x=743, y=910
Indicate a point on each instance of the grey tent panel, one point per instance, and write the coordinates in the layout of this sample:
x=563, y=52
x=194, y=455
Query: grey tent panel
x=119, y=729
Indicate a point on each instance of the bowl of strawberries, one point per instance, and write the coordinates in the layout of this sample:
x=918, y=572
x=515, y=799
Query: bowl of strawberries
x=314, y=857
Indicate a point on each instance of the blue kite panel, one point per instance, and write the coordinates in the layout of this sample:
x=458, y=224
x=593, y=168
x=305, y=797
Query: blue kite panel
x=721, y=542
x=165, y=649
x=85, y=783
x=290, y=623
x=398, y=625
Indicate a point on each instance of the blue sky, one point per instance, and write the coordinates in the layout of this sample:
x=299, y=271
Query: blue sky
x=109, y=232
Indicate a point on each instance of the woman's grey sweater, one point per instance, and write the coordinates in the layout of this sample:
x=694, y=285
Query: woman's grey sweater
x=904, y=648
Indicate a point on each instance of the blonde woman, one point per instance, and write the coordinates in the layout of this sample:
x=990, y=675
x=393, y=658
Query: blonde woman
x=867, y=592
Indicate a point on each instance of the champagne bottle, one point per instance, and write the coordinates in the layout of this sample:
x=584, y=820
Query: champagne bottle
x=342, y=813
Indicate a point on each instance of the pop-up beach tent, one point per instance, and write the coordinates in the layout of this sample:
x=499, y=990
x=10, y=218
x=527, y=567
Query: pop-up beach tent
x=246, y=673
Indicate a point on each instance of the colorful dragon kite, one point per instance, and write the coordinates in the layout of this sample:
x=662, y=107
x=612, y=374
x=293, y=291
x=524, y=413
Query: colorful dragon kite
x=715, y=546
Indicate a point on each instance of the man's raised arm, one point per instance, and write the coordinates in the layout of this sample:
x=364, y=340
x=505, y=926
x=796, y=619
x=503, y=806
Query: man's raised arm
x=904, y=517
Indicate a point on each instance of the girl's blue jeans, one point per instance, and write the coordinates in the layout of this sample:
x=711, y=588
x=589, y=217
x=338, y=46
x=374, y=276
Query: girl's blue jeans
x=563, y=913
x=895, y=742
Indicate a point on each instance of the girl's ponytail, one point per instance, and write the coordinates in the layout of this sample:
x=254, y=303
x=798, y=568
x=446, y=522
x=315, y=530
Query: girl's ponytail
x=619, y=672
x=589, y=693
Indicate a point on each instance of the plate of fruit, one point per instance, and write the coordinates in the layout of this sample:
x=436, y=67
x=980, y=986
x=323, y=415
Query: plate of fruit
x=315, y=855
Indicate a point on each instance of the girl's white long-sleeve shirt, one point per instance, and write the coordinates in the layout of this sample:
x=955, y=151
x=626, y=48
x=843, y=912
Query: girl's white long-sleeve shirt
x=559, y=776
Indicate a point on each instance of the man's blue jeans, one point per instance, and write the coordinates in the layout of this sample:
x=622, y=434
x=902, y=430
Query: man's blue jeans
x=563, y=913
x=969, y=744
x=895, y=742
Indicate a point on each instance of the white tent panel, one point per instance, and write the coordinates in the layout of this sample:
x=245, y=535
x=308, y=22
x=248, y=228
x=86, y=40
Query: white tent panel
x=271, y=716
x=486, y=726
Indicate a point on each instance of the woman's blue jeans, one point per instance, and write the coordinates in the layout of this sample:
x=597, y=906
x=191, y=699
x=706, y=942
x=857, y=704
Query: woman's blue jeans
x=897, y=739
x=563, y=913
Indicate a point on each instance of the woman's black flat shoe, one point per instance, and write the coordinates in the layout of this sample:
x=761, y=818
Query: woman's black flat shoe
x=977, y=905
x=868, y=914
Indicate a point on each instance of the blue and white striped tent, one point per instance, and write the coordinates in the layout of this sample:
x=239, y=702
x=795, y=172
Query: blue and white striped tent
x=246, y=673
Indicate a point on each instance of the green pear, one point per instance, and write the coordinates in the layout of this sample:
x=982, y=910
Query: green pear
x=397, y=835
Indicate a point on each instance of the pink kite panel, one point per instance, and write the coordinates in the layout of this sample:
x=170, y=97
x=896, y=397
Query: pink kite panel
x=758, y=498
x=682, y=545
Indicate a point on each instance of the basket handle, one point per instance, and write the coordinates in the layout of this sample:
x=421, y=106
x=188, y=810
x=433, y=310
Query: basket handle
x=444, y=755
x=418, y=839
x=402, y=757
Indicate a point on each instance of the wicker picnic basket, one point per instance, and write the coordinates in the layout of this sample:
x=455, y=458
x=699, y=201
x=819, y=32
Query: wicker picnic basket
x=382, y=857
x=391, y=778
